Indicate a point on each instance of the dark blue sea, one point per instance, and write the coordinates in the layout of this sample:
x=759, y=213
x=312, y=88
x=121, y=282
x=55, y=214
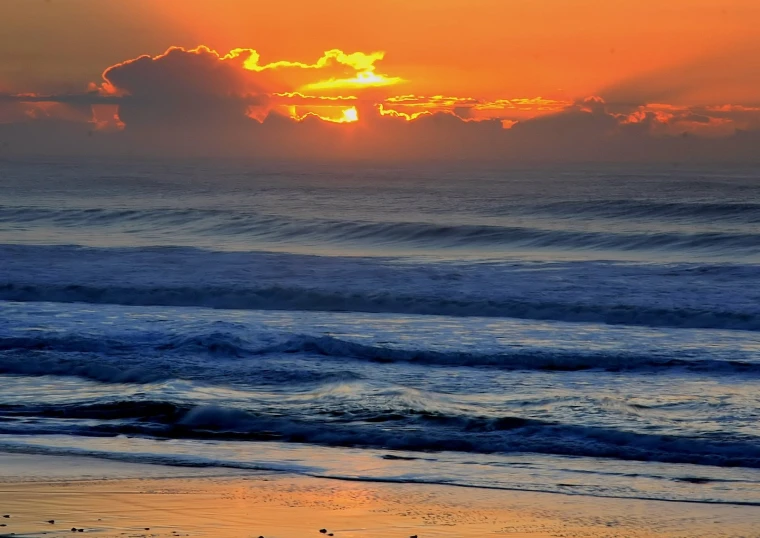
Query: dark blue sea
x=586, y=330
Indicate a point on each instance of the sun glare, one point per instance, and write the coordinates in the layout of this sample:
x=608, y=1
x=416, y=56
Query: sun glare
x=362, y=79
x=331, y=114
x=350, y=115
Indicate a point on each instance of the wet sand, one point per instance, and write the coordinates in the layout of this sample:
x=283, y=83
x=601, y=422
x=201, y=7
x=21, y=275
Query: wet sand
x=112, y=499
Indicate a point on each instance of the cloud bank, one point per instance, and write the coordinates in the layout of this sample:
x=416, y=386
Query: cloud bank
x=342, y=106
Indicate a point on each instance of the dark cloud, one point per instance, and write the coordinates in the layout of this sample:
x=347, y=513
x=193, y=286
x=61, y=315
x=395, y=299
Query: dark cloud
x=183, y=88
x=696, y=118
x=195, y=102
x=743, y=117
x=178, y=72
x=575, y=135
x=42, y=108
x=578, y=132
x=83, y=99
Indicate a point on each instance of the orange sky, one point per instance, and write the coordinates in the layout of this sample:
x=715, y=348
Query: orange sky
x=508, y=60
x=489, y=48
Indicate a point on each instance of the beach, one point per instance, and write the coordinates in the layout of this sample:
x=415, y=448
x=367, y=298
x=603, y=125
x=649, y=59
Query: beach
x=113, y=499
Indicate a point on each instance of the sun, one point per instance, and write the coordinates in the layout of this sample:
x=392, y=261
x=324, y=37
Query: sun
x=350, y=115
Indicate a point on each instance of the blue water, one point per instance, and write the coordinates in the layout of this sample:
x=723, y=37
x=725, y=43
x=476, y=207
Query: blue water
x=588, y=330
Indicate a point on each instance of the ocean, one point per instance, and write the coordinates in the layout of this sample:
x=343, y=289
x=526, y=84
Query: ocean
x=582, y=329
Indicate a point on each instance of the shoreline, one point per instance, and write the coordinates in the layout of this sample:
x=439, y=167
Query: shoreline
x=518, y=490
x=110, y=499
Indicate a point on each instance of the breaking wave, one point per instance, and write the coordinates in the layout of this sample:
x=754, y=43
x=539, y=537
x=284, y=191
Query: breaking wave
x=135, y=361
x=410, y=431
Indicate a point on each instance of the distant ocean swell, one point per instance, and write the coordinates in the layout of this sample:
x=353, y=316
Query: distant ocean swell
x=393, y=430
x=252, y=226
x=736, y=212
x=286, y=298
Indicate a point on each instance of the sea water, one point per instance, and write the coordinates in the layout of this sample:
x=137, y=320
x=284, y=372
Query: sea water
x=583, y=329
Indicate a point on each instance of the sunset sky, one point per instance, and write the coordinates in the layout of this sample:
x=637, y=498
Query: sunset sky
x=464, y=74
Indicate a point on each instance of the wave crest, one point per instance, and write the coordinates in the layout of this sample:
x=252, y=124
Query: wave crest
x=413, y=431
x=86, y=357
